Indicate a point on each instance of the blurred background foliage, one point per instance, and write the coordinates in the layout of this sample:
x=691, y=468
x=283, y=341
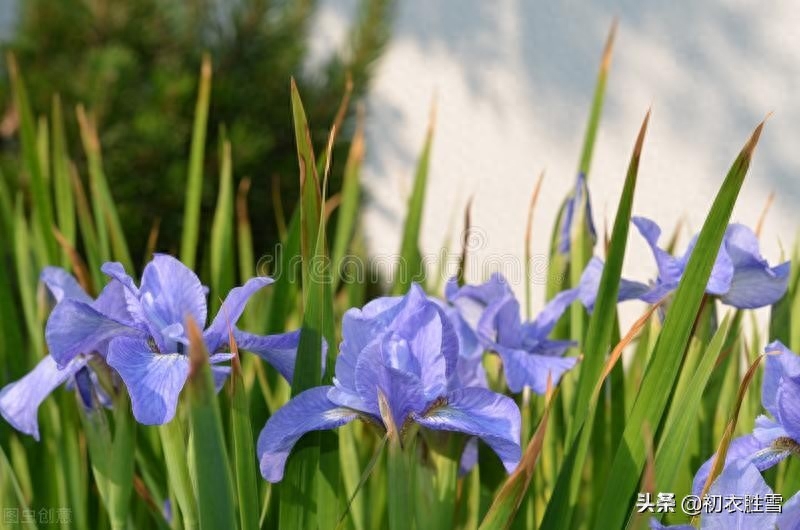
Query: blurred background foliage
x=134, y=65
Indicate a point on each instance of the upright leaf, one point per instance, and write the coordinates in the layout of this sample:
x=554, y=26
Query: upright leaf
x=662, y=370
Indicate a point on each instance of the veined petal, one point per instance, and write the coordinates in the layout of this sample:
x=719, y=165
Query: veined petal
x=755, y=286
x=170, y=292
x=739, y=478
x=279, y=350
x=231, y=310
x=76, y=327
x=490, y=416
x=154, y=380
x=308, y=411
x=522, y=369
x=20, y=400
x=63, y=285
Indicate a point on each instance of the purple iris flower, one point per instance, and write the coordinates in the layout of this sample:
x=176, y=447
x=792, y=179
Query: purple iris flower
x=20, y=400
x=742, y=478
x=528, y=356
x=773, y=439
x=139, y=331
x=464, y=308
x=741, y=277
x=402, y=350
x=572, y=204
x=151, y=355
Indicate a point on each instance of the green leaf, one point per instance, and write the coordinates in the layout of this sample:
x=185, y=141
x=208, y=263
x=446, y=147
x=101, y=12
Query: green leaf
x=661, y=372
x=349, y=207
x=243, y=450
x=173, y=443
x=208, y=456
x=410, y=266
x=109, y=227
x=62, y=188
x=42, y=202
x=297, y=510
x=683, y=412
x=597, y=104
x=194, y=180
x=222, y=230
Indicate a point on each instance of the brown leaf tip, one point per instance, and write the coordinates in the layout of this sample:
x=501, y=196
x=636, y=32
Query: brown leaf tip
x=605, y=64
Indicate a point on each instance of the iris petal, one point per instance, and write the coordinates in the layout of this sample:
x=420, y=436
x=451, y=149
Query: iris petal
x=154, y=380
x=20, y=400
x=492, y=417
x=231, y=310
x=308, y=411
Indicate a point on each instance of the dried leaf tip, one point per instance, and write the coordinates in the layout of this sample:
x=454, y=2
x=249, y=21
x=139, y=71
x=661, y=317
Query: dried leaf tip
x=750, y=146
x=432, y=114
x=197, y=348
x=205, y=68
x=605, y=64
x=637, y=150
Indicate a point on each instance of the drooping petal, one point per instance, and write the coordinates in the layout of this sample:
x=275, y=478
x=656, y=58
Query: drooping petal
x=170, y=293
x=492, y=417
x=231, y=310
x=655, y=524
x=748, y=448
x=781, y=363
x=552, y=311
x=154, y=380
x=308, y=411
x=76, y=327
x=469, y=458
x=754, y=286
x=522, y=369
x=669, y=269
x=740, y=478
x=788, y=404
x=20, y=400
x=789, y=518
x=590, y=283
x=279, y=350
x=63, y=285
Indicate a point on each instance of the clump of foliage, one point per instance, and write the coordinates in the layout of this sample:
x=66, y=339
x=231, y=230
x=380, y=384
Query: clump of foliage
x=134, y=66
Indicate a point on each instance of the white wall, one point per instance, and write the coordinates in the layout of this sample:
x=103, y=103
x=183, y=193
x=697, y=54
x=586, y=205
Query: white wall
x=514, y=80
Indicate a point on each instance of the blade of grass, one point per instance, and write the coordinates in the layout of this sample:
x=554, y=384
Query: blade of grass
x=42, y=202
x=409, y=267
x=683, y=412
x=222, y=268
x=194, y=179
